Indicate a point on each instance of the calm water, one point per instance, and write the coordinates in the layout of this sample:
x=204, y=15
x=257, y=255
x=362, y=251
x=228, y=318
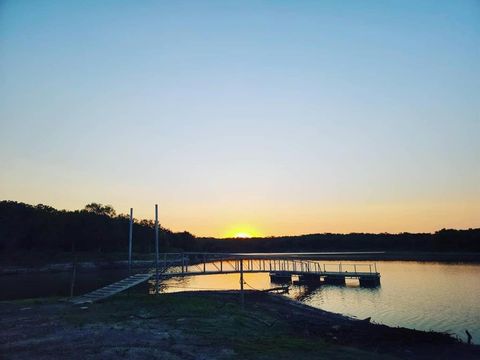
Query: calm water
x=425, y=296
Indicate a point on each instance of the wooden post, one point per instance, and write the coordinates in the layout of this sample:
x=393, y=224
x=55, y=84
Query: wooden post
x=469, y=337
x=74, y=268
x=74, y=275
x=156, y=249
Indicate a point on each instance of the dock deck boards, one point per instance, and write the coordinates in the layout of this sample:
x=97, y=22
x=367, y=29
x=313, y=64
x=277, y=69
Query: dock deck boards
x=111, y=289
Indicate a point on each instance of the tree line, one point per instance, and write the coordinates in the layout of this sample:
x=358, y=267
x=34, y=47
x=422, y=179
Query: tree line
x=97, y=228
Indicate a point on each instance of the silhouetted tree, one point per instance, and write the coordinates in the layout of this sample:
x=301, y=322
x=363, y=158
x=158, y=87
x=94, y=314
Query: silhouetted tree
x=100, y=209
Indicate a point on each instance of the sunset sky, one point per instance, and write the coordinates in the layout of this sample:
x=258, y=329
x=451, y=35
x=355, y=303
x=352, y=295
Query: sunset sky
x=246, y=117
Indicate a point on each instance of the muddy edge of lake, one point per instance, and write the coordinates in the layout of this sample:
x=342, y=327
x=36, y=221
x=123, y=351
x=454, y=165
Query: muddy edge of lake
x=209, y=323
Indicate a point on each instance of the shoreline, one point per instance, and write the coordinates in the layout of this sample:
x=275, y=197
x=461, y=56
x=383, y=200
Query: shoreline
x=269, y=325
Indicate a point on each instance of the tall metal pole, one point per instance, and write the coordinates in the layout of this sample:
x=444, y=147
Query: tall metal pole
x=156, y=249
x=130, y=238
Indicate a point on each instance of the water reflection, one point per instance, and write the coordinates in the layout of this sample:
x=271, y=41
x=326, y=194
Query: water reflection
x=425, y=296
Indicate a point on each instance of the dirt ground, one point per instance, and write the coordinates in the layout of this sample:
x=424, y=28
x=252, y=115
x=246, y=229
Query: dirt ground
x=205, y=325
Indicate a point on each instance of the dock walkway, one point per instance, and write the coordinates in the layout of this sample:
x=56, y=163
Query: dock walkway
x=111, y=289
x=280, y=267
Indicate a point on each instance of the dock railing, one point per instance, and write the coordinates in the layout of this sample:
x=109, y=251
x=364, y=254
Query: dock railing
x=182, y=264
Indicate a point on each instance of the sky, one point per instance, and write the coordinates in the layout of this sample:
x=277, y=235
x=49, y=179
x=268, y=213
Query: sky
x=255, y=117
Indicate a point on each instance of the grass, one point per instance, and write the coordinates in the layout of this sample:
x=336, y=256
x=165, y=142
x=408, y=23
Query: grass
x=255, y=331
x=33, y=301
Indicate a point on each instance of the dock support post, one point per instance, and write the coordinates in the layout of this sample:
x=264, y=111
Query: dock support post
x=242, y=296
x=130, y=238
x=156, y=249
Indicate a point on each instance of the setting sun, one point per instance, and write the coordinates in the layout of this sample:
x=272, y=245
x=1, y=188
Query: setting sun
x=242, y=235
x=242, y=232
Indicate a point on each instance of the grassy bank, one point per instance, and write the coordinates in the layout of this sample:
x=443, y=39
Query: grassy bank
x=206, y=326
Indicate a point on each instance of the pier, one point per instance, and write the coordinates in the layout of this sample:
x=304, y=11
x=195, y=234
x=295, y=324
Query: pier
x=282, y=269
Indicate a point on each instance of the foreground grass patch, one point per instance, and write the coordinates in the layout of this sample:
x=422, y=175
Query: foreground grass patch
x=254, y=331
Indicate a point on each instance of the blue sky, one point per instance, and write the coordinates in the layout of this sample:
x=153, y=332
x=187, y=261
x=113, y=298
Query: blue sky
x=279, y=117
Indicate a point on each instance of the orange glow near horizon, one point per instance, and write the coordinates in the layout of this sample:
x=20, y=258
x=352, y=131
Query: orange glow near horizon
x=262, y=219
x=335, y=218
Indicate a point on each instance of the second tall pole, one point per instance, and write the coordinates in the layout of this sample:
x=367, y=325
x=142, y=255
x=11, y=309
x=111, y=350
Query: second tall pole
x=130, y=240
x=156, y=249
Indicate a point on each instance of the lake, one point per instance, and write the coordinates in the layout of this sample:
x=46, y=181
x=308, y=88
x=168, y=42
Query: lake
x=419, y=295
